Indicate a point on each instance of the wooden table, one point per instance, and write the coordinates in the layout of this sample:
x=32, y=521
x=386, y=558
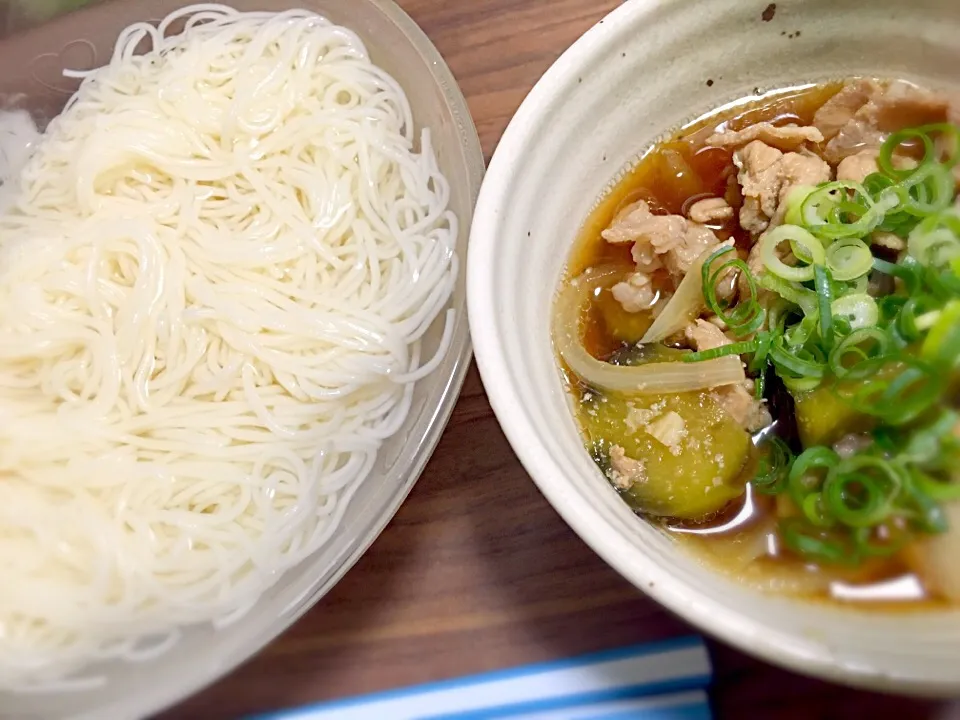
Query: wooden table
x=477, y=571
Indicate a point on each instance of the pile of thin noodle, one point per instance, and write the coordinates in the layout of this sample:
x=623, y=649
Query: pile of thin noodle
x=216, y=270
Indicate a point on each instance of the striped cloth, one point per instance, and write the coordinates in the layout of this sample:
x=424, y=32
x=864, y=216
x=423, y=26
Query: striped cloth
x=660, y=681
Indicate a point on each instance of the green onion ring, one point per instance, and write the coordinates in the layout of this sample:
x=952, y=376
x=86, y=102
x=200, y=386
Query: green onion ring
x=793, y=362
x=853, y=344
x=805, y=299
x=738, y=348
x=815, y=543
x=908, y=272
x=830, y=226
x=937, y=490
x=913, y=307
x=821, y=277
x=848, y=259
x=941, y=347
x=813, y=510
x=930, y=189
x=800, y=480
x=747, y=316
x=771, y=477
x=875, y=482
x=860, y=310
x=867, y=548
x=896, y=400
x=890, y=145
x=797, y=237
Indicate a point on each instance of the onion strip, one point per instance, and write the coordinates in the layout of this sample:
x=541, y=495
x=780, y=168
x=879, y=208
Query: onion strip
x=685, y=305
x=657, y=377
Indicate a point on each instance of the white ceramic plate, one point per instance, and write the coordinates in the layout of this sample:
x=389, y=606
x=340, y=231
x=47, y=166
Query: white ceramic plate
x=642, y=72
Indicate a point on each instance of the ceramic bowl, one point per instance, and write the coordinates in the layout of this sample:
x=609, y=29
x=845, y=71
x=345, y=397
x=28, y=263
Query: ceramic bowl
x=641, y=72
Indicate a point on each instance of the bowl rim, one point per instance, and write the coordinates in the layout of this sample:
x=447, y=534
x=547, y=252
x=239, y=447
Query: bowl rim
x=710, y=616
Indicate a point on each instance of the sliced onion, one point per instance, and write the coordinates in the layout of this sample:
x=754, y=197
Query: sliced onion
x=658, y=377
x=860, y=309
x=685, y=305
x=798, y=238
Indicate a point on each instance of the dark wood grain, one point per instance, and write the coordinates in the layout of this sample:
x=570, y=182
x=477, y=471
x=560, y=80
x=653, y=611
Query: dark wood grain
x=477, y=571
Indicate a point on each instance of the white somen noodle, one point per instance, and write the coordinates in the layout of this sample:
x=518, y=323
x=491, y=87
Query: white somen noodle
x=216, y=271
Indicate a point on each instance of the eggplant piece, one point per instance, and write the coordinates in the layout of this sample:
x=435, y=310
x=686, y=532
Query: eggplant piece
x=691, y=454
x=823, y=418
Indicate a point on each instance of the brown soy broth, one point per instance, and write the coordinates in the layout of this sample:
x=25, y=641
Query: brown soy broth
x=670, y=177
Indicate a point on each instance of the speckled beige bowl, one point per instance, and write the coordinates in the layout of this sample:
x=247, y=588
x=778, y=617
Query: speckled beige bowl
x=640, y=73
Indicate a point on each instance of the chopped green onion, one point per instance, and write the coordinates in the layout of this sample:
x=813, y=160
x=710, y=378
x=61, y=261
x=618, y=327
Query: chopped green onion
x=914, y=306
x=798, y=363
x=848, y=259
x=814, y=511
x=799, y=385
x=937, y=490
x=759, y=360
x=866, y=547
x=812, y=250
x=927, y=320
x=937, y=247
x=877, y=182
x=747, y=316
x=895, y=221
x=823, y=210
x=802, y=478
x=815, y=543
x=859, y=285
x=930, y=189
x=890, y=145
x=943, y=284
x=919, y=503
x=941, y=347
x=927, y=444
x=821, y=277
x=889, y=308
x=873, y=339
x=738, y=348
x=774, y=467
x=860, y=310
x=908, y=272
x=860, y=490
x=794, y=201
x=800, y=334
x=896, y=398
x=888, y=357
x=805, y=299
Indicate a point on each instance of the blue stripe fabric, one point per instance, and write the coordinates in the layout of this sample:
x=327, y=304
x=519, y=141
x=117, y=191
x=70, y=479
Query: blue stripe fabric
x=650, y=681
x=692, y=711
x=497, y=712
x=680, y=706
